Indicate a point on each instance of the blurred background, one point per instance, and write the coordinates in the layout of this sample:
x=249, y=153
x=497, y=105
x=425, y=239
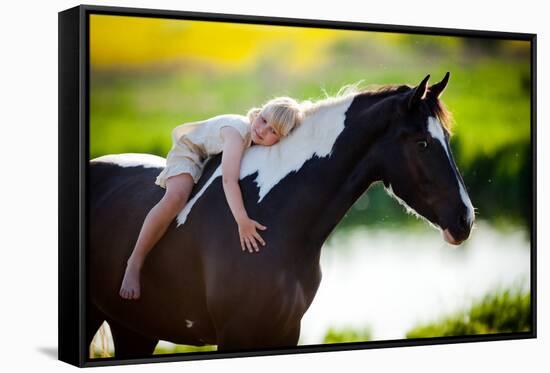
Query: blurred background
x=386, y=275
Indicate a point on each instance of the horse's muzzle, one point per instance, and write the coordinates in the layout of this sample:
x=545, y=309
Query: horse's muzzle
x=450, y=239
x=459, y=232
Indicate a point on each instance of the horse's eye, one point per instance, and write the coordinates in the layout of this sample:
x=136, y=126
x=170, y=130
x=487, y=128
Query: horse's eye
x=422, y=144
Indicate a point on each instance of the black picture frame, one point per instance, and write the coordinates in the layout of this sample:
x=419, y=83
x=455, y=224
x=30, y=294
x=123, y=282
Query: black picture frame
x=74, y=70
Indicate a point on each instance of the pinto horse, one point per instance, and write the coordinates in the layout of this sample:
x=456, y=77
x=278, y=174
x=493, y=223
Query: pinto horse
x=199, y=287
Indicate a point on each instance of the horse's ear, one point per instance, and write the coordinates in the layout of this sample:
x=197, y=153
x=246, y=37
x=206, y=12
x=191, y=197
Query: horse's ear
x=419, y=92
x=438, y=88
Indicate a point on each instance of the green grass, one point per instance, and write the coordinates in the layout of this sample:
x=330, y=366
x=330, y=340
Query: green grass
x=489, y=102
x=344, y=335
x=183, y=349
x=504, y=311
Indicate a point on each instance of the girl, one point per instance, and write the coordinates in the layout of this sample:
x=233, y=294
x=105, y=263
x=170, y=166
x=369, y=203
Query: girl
x=192, y=144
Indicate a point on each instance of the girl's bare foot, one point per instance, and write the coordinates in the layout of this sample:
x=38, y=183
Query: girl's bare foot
x=130, y=283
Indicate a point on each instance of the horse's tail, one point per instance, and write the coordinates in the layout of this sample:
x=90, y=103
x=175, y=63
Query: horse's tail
x=100, y=346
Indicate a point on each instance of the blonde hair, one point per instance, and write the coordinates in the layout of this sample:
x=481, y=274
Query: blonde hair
x=283, y=113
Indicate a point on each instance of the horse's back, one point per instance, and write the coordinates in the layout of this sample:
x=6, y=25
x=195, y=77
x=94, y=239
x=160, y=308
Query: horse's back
x=134, y=173
x=121, y=194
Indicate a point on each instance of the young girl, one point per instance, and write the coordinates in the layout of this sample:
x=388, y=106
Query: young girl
x=193, y=143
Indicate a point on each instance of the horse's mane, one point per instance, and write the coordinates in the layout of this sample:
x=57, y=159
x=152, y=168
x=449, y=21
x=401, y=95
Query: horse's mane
x=310, y=107
x=437, y=106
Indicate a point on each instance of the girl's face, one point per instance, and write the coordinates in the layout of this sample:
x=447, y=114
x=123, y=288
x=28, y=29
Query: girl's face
x=262, y=132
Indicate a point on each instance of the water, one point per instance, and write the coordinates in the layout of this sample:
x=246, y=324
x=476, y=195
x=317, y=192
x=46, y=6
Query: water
x=390, y=281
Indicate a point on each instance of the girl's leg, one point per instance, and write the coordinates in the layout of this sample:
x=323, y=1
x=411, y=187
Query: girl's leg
x=178, y=189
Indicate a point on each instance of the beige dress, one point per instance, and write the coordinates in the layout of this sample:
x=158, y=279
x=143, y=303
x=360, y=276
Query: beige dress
x=193, y=143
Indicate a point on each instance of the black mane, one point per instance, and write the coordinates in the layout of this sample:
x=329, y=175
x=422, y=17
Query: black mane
x=437, y=107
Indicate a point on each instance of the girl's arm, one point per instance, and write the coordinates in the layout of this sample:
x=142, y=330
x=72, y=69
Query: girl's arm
x=233, y=149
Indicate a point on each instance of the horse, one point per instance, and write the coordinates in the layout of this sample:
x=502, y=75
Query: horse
x=199, y=287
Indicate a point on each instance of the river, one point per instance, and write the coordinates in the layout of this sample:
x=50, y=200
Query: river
x=389, y=281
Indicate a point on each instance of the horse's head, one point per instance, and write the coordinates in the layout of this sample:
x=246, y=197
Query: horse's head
x=418, y=166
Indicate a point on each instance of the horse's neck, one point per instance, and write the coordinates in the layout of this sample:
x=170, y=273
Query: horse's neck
x=332, y=206
x=331, y=184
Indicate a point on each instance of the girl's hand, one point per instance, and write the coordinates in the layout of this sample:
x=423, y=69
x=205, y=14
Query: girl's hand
x=248, y=234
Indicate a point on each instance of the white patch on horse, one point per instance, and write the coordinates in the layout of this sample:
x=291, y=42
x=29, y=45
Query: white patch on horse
x=315, y=136
x=189, y=323
x=436, y=130
x=133, y=160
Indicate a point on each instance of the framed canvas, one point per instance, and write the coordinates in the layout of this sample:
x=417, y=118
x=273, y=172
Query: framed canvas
x=234, y=186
